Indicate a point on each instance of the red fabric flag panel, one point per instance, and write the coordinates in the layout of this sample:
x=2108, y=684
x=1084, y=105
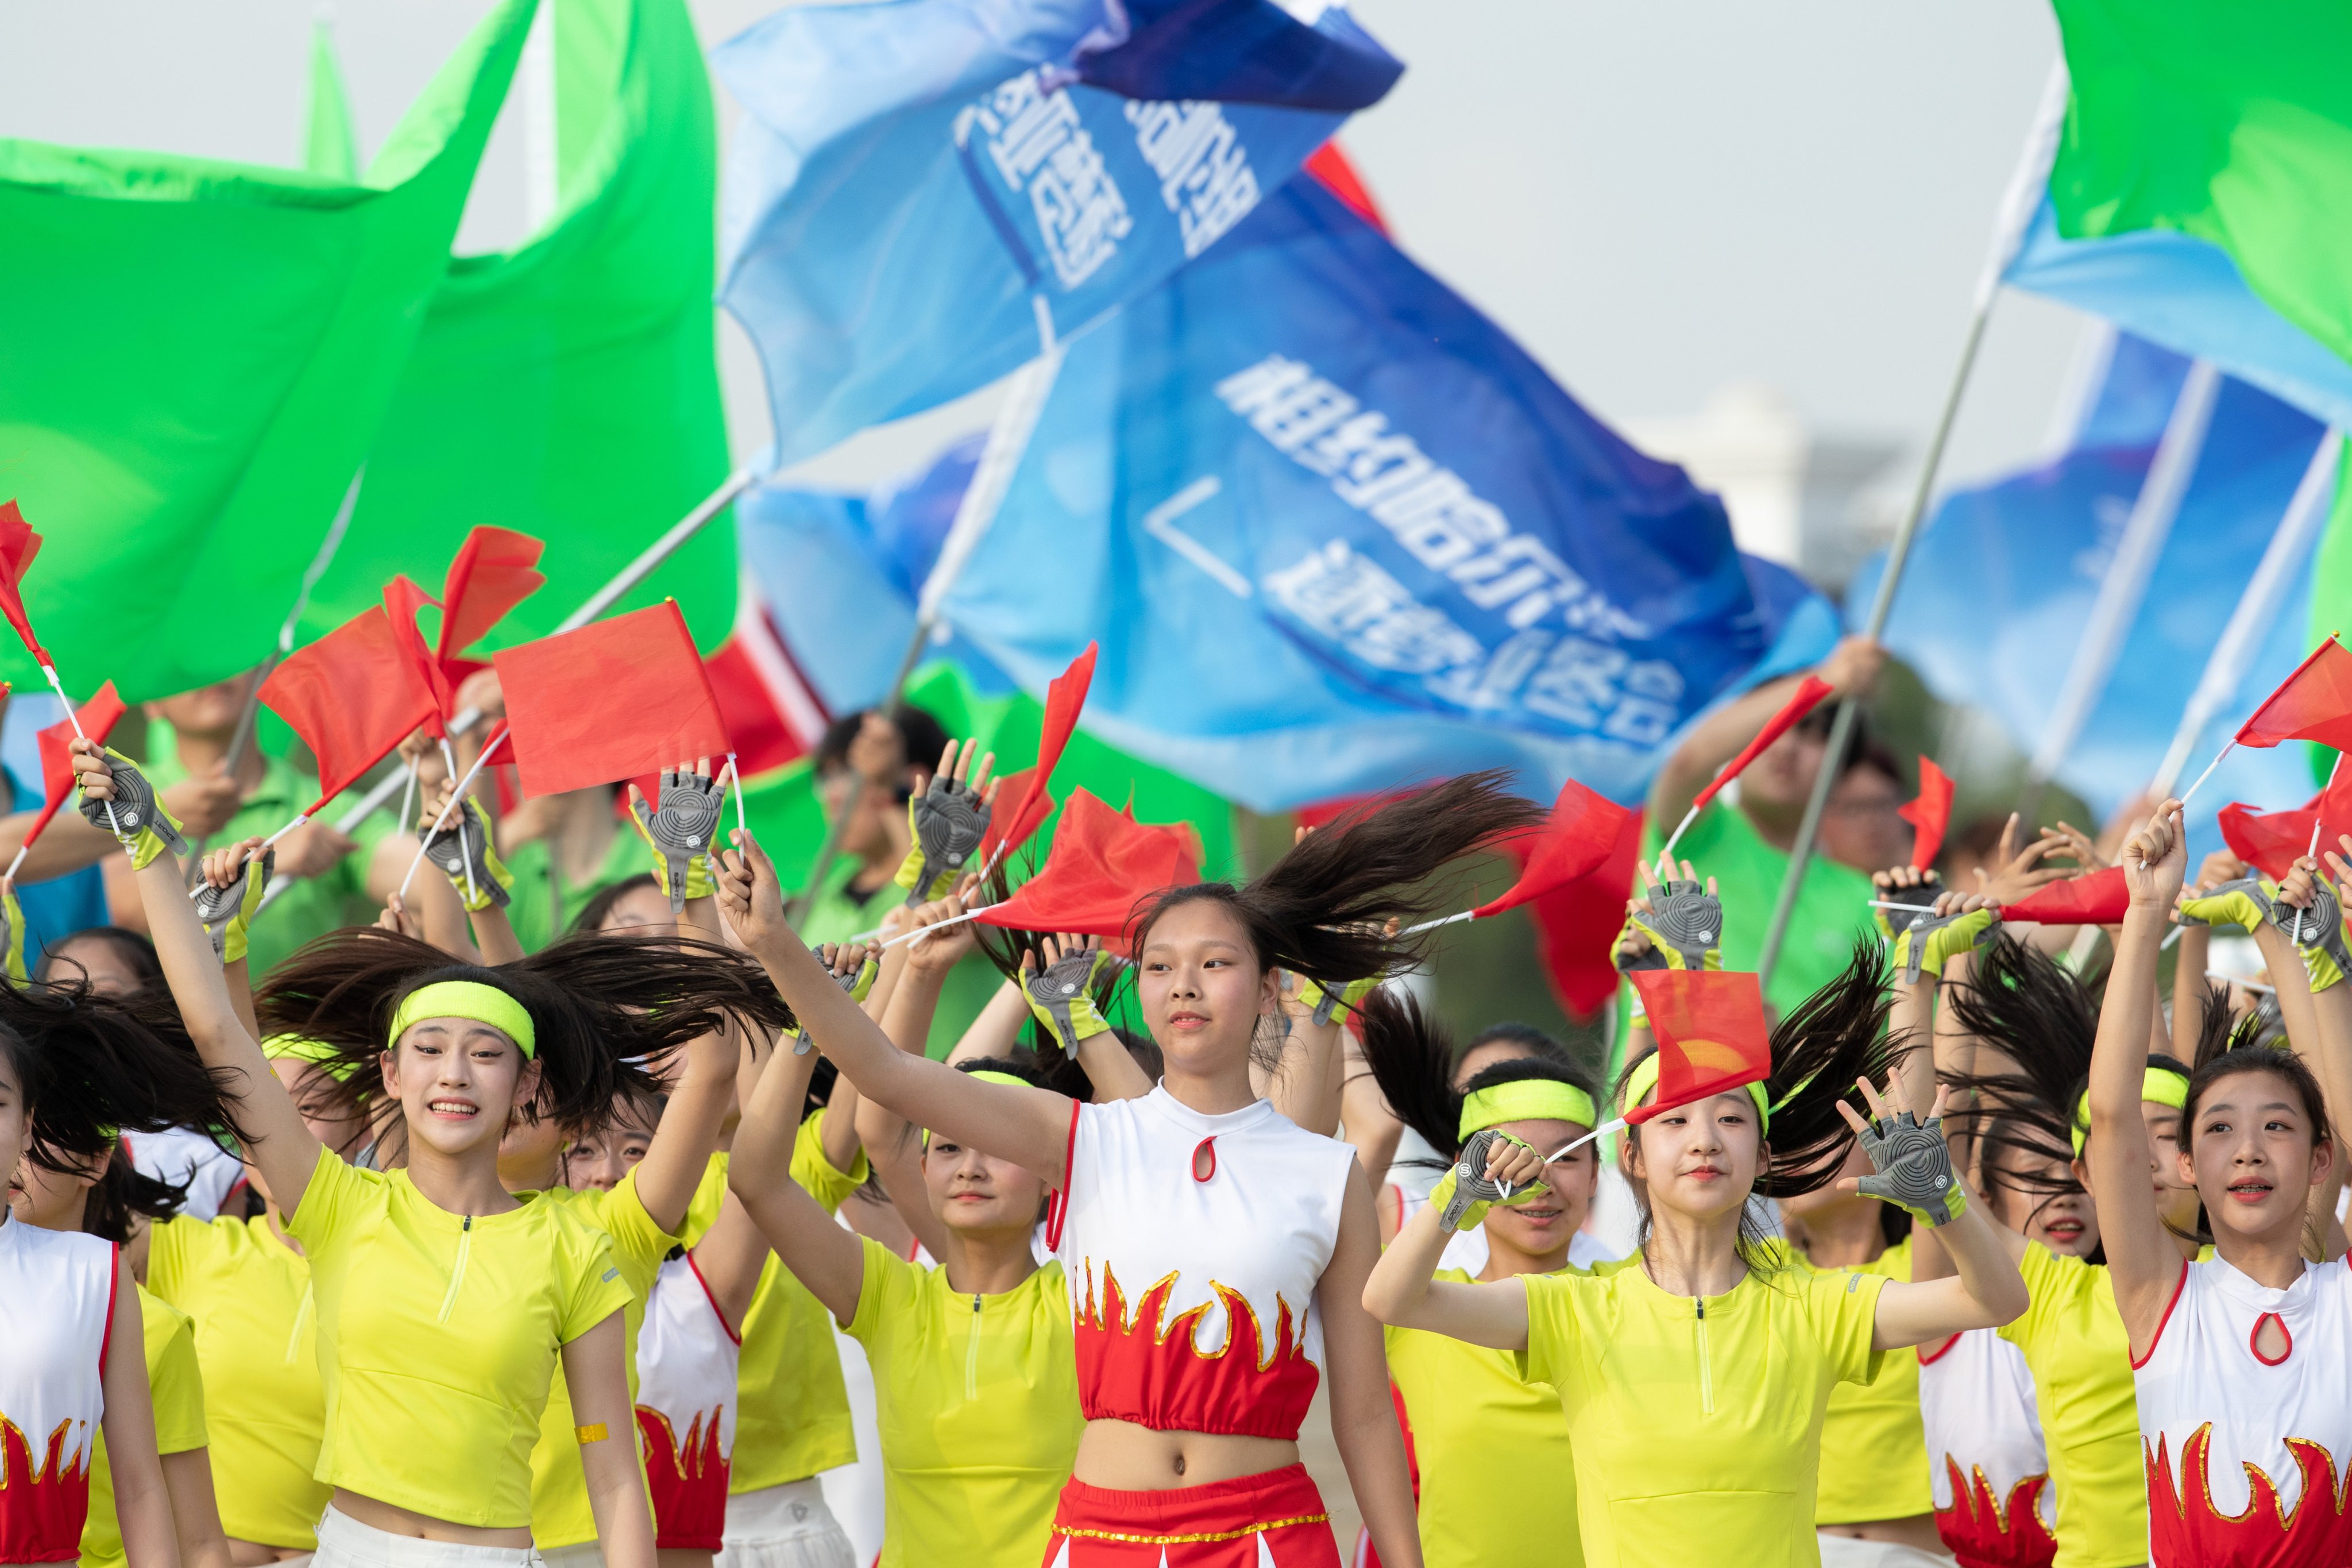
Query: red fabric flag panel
x=609, y=701
x=353, y=696
x=1711, y=1033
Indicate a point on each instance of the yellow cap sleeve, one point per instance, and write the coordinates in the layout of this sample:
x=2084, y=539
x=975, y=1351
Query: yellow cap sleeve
x=639, y=1243
x=815, y=1174
x=1554, y=1332
x=176, y=1383
x=1843, y=1306
x=330, y=1201
x=886, y=1289
x=597, y=1290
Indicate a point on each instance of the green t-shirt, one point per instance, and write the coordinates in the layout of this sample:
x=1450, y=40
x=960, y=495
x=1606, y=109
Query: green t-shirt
x=839, y=911
x=544, y=905
x=1832, y=906
x=310, y=906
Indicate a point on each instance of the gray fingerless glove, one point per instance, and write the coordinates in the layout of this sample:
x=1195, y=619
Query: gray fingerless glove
x=1912, y=1168
x=859, y=986
x=227, y=912
x=2319, y=933
x=683, y=830
x=462, y=851
x=1684, y=923
x=948, y=820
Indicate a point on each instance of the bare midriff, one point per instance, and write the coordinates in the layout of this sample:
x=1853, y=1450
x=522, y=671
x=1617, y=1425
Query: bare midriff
x=393, y=1520
x=1917, y=1531
x=1124, y=1457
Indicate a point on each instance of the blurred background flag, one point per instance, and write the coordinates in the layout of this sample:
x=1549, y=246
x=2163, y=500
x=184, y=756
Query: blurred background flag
x=194, y=358
x=914, y=180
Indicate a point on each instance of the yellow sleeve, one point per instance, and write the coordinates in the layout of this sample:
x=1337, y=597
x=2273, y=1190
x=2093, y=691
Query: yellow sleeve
x=640, y=1245
x=177, y=1385
x=815, y=1174
x=328, y=1200
x=597, y=1288
x=1845, y=1310
x=2043, y=1285
x=702, y=1213
x=167, y=1257
x=1554, y=1333
x=886, y=1288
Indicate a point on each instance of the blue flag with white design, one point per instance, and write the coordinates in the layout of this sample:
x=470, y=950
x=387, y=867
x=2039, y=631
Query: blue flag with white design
x=922, y=190
x=1333, y=529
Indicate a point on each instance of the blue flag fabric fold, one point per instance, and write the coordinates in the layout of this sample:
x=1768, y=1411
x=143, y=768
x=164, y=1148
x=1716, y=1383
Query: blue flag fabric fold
x=921, y=189
x=1333, y=529
x=2003, y=577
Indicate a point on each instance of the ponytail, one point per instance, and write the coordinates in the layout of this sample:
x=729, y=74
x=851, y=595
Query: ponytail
x=1833, y=1037
x=93, y=1065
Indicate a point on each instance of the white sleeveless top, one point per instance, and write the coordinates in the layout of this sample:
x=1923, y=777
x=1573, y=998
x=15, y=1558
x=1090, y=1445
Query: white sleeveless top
x=59, y=1290
x=2247, y=1456
x=1988, y=1466
x=1194, y=1245
x=686, y=1362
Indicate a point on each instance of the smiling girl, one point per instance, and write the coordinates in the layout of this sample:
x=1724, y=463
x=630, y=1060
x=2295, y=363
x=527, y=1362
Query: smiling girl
x=1216, y=1253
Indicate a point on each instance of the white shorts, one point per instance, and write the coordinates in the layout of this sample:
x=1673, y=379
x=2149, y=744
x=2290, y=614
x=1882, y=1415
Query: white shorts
x=583, y=1555
x=346, y=1542
x=783, y=1527
x=1845, y=1552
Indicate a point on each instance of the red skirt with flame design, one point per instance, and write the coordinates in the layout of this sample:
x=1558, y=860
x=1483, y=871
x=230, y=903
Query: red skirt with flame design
x=1221, y=1525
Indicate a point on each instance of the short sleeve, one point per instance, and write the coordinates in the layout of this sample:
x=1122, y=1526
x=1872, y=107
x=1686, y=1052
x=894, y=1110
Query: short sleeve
x=1845, y=1310
x=2044, y=1284
x=597, y=1290
x=178, y=1386
x=330, y=1201
x=815, y=1174
x=640, y=1245
x=886, y=1288
x=1555, y=1335
x=167, y=1258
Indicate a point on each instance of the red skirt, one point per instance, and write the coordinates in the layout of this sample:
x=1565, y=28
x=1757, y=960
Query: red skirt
x=1276, y=1517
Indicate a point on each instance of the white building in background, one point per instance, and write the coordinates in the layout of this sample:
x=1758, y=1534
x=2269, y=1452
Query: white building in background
x=1820, y=504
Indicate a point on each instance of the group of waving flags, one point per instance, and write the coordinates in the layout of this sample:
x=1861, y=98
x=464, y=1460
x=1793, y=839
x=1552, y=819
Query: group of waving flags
x=1313, y=526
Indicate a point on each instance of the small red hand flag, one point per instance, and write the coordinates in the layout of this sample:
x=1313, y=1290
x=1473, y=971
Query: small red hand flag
x=2314, y=703
x=1014, y=787
x=19, y=545
x=1578, y=838
x=1809, y=694
x=353, y=696
x=1929, y=816
x=98, y=718
x=1577, y=925
x=402, y=600
x=1711, y=1035
x=1101, y=866
x=1066, y=698
x=494, y=571
x=612, y=701
x=2097, y=900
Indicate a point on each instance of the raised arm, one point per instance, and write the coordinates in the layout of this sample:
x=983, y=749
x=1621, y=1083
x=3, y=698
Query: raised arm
x=280, y=1143
x=820, y=1254
x=2330, y=1057
x=1363, y=1418
x=1305, y=1084
x=997, y=1031
x=141, y=1503
x=2142, y=1260
x=1400, y=1292
x=1716, y=739
x=1030, y=1127
x=688, y=1131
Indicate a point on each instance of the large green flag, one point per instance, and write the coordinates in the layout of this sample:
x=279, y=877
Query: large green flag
x=194, y=356
x=568, y=387
x=330, y=139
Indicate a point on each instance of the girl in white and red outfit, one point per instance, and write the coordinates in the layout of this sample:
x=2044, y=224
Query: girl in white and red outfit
x=2242, y=1362
x=1216, y=1253
x=74, y=1068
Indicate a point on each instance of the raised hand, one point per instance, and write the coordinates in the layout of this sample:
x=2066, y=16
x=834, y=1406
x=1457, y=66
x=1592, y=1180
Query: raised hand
x=2155, y=857
x=118, y=797
x=1683, y=922
x=2308, y=912
x=948, y=820
x=683, y=829
x=853, y=967
x=461, y=847
x=1911, y=1166
x=750, y=896
x=1061, y=990
x=1493, y=1168
x=1950, y=924
x=229, y=896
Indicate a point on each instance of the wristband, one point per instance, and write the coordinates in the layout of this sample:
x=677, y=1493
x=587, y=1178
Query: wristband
x=1929, y=939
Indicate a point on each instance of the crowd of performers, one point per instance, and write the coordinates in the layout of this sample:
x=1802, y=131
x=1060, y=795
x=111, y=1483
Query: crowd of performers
x=539, y=1254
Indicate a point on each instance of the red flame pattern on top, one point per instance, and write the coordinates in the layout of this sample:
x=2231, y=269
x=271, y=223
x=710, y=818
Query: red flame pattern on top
x=687, y=1480
x=1133, y=1366
x=2190, y=1532
x=42, y=1507
x=1986, y=1532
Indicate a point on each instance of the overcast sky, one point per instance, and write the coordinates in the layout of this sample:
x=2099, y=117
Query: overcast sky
x=1657, y=198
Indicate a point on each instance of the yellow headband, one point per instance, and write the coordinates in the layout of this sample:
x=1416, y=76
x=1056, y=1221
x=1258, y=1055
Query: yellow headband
x=1525, y=1100
x=985, y=1075
x=2158, y=1085
x=294, y=1048
x=469, y=999
x=1644, y=1081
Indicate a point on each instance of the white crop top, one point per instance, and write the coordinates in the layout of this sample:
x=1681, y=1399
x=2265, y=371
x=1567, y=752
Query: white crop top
x=1194, y=1245
x=57, y=1288
x=1988, y=1466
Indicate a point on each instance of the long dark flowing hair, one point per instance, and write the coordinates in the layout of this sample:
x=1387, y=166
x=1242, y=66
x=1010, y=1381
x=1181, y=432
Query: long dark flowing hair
x=2034, y=1011
x=91, y=1065
x=1412, y=1056
x=604, y=1009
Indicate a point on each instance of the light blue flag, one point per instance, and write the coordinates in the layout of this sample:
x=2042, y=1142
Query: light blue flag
x=2003, y=577
x=922, y=190
x=1333, y=530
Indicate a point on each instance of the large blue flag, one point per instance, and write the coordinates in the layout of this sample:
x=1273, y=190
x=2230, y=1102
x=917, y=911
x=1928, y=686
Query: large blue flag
x=916, y=182
x=2001, y=580
x=1334, y=529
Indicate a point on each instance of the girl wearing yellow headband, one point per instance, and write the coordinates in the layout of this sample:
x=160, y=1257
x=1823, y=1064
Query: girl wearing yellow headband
x=1694, y=1376
x=444, y=1302
x=1464, y=1402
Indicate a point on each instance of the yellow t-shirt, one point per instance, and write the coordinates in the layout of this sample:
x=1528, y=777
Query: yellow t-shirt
x=438, y=1335
x=178, y=1387
x=1698, y=1422
x=2075, y=1344
x=257, y=1343
x=1874, y=1447
x=1468, y=1404
x=792, y=1415
x=978, y=1400
x=559, y=1514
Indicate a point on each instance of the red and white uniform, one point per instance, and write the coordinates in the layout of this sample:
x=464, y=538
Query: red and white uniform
x=2247, y=1455
x=58, y=1291
x=1988, y=1466
x=688, y=1358
x=1193, y=1246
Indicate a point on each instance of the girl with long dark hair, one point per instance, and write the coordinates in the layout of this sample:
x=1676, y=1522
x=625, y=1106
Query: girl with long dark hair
x=1694, y=1376
x=1217, y=1253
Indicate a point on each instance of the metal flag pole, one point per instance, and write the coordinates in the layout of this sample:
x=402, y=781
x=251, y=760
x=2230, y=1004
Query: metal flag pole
x=2018, y=207
x=2227, y=664
x=1008, y=438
